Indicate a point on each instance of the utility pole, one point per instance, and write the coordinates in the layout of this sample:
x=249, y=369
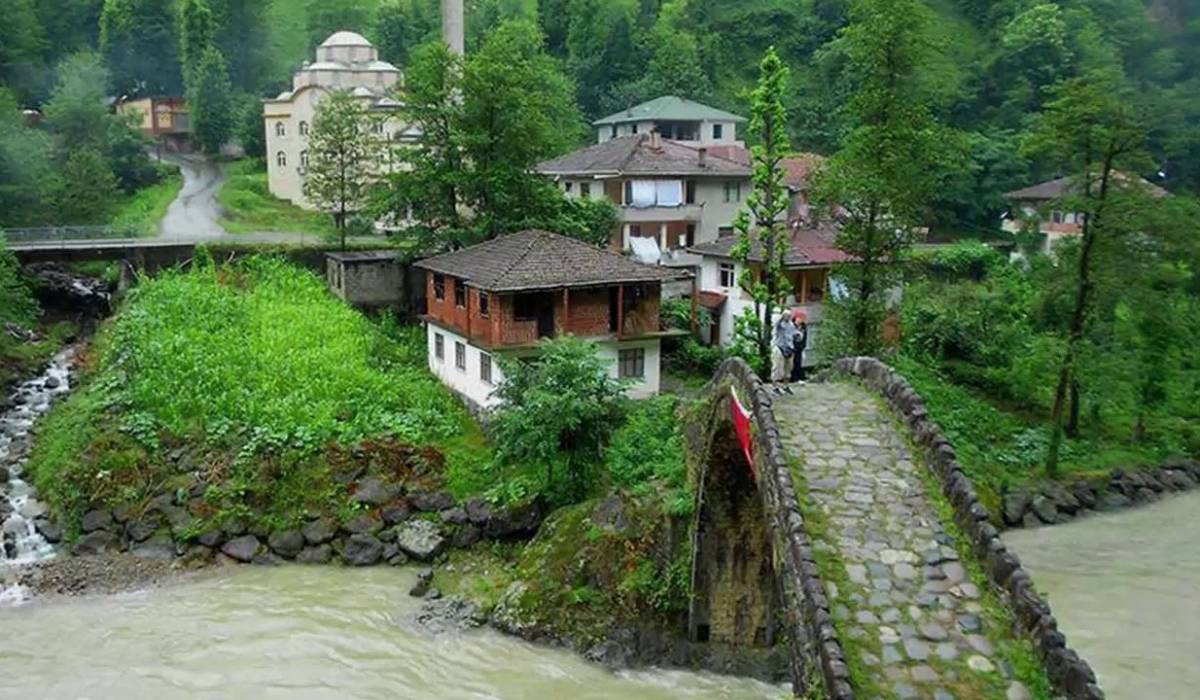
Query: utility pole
x=452, y=25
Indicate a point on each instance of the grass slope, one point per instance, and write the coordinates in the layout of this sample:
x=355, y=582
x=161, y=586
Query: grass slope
x=141, y=211
x=253, y=379
x=250, y=207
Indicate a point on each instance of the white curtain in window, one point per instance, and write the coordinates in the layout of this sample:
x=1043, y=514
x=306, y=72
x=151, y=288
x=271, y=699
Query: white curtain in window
x=643, y=193
x=669, y=193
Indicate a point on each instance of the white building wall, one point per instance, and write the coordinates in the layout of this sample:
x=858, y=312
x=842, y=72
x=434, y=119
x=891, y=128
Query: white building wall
x=469, y=383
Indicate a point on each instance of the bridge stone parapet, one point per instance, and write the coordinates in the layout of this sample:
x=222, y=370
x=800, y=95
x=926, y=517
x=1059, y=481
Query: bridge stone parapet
x=1071, y=676
x=799, y=604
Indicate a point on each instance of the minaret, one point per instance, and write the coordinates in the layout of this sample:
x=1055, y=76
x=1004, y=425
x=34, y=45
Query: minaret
x=452, y=25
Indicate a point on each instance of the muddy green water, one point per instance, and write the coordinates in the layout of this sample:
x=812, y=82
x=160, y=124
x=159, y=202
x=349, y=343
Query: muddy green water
x=1126, y=590
x=298, y=632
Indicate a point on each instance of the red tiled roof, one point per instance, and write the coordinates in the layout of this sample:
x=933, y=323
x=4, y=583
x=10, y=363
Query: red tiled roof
x=800, y=168
x=811, y=245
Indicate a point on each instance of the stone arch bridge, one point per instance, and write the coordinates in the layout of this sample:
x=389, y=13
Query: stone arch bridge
x=837, y=520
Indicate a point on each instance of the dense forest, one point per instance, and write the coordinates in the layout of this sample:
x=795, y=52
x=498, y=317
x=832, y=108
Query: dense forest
x=994, y=63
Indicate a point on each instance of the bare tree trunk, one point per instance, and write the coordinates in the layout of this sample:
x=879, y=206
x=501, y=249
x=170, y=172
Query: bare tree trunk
x=1073, y=413
x=1066, y=376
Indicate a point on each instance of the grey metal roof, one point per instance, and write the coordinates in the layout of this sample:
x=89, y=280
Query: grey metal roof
x=638, y=155
x=669, y=108
x=1064, y=186
x=532, y=260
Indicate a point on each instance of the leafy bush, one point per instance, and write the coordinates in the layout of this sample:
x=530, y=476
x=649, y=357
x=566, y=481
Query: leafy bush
x=558, y=412
x=16, y=301
x=646, y=453
x=689, y=356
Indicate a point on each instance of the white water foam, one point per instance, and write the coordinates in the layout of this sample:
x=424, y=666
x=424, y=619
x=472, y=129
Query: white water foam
x=20, y=510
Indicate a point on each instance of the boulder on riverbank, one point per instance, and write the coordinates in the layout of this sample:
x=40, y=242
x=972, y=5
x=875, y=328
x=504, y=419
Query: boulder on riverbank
x=1058, y=502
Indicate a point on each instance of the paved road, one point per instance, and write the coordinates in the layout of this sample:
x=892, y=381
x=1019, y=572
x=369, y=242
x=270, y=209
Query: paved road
x=195, y=214
x=904, y=594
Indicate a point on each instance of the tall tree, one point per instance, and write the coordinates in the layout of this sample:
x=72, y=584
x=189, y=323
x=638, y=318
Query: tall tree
x=88, y=190
x=76, y=112
x=341, y=158
x=22, y=45
x=27, y=183
x=403, y=25
x=245, y=41
x=137, y=40
x=1090, y=127
x=602, y=52
x=485, y=123
x=762, y=226
x=196, y=32
x=428, y=185
x=890, y=165
x=211, y=98
x=324, y=17
x=518, y=109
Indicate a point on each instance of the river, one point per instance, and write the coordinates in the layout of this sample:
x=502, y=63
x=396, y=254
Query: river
x=299, y=632
x=1126, y=590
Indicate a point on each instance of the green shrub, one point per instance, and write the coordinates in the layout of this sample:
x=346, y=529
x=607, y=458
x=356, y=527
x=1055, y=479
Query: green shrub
x=558, y=412
x=16, y=301
x=648, y=446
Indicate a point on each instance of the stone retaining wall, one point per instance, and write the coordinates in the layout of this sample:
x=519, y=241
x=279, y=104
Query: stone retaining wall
x=1053, y=503
x=1071, y=676
x=815, y=645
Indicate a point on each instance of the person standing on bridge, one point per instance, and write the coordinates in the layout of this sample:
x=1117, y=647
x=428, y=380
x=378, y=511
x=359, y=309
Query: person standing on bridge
x=799, y=345
x=785, y=332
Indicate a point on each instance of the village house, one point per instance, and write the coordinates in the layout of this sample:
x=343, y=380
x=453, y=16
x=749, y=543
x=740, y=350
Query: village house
x=673, y=118
x=1044, y=208
x=158, y=116
x=345, y=62
x=502, y=296
x=670, y=193
x=807, y=264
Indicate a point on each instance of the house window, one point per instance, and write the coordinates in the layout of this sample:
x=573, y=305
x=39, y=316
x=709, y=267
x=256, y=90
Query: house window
x=585, y=190
x=733, y=191
x=304, y=128
x=613, y=131
x=439, y=346
x=460, y=294
x=689, y=192
x=377, y=126
x=567, y=186
x=485, y=303
x=718, y=131
x=303, y=159
x=281, y=159
x=635, y=230
x=728, y=278
x=690, y=239
x=280, y=129
x=485, y=367
x=439, y=287
x=724, y=231
x=631, y=364
x=635, y=128
x=1057, y=216
x=460, y=356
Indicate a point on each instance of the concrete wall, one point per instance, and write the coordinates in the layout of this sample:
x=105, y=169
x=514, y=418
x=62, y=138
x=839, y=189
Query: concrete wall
x=370, y=283
x=704, y=133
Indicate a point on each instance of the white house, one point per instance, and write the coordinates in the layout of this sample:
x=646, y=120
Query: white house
x=345, y=62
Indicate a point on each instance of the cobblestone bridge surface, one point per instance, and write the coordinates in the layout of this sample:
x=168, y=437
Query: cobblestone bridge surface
x=904, y=604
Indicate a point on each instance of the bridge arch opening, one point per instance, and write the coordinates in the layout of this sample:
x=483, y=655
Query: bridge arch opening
x=735, y=598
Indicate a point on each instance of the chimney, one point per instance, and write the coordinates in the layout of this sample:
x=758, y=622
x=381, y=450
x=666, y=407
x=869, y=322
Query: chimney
x=703, y=157
x=452, y=25
x=655, y=139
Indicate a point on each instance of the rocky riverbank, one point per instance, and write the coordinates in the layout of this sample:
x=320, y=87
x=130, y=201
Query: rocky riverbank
x=1054, y=503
